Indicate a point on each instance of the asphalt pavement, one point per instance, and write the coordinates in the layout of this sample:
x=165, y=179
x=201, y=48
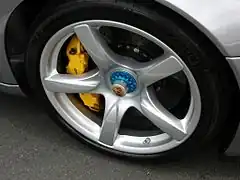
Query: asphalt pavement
x=32, y=147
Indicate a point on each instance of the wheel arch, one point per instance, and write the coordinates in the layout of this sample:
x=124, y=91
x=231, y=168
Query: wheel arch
x=17, y=33
x=195, y=21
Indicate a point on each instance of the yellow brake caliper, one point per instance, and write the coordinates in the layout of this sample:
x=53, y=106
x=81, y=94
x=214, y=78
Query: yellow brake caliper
x=77, y=65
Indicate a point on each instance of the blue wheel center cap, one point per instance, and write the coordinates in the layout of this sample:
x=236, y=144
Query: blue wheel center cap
x=123, y=82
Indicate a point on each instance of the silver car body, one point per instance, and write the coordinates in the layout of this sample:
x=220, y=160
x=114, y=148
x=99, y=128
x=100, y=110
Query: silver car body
x=219, y=20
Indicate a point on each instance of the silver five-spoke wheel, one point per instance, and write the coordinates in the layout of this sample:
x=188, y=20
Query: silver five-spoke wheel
x=124, y=83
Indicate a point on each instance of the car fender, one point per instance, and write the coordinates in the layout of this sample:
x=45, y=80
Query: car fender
x=219, y=20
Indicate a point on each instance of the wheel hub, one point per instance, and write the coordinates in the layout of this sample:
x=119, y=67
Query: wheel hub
x=123, y=82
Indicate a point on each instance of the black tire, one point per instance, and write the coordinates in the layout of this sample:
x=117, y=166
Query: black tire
x=209, y=70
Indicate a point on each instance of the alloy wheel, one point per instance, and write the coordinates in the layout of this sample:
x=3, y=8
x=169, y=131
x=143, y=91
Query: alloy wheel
x=124, y=83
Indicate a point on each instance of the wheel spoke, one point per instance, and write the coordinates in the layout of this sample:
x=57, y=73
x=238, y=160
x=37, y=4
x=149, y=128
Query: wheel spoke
x=161, y=117
x=67, y=83
x=114, y=112
x=160, y=68
x=95, y=45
